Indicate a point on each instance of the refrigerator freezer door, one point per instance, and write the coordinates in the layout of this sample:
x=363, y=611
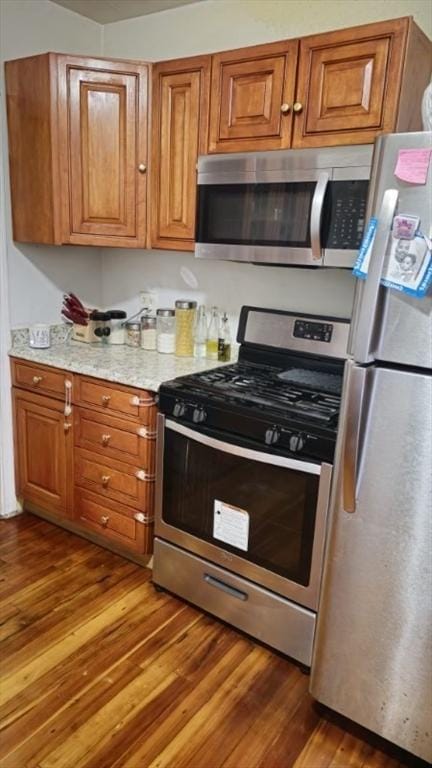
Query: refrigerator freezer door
x=374, y=642
x=387, y=325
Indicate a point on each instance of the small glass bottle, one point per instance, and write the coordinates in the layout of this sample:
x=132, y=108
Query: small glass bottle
x=200, y=346
x=224, y=342
x=213, y=335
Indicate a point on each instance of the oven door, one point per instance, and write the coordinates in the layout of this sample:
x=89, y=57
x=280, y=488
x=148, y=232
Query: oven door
x=256, y=514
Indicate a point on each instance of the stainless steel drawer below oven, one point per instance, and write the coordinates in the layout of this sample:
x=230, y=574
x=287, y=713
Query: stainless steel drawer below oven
x=266, y=616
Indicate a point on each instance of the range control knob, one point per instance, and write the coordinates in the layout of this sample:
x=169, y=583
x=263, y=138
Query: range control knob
x=179, y=409
x=296, y=443
x=199, y=415
x=272, y=435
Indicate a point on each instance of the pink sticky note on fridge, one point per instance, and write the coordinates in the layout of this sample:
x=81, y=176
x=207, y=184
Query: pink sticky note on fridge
x=412, y=165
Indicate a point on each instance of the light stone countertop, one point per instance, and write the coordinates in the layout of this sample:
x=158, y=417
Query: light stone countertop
x=120, y=364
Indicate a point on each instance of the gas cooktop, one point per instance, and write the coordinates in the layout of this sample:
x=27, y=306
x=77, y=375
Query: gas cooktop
x=282, y=396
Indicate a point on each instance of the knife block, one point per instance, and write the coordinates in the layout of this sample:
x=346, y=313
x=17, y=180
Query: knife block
x=86, y=333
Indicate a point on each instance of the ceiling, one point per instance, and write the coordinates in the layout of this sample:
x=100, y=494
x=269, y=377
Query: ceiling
x=106, y=11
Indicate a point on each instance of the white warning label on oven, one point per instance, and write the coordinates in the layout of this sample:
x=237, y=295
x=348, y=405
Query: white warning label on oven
x=231, y=525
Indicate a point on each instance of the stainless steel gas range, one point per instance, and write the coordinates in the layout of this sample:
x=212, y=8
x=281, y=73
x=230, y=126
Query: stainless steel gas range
x=244, y=468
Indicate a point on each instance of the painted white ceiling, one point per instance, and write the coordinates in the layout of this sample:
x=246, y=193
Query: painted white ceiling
x=107, y=11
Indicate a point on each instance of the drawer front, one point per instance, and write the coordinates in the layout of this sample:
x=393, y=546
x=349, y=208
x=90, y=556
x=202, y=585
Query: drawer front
x=116, y=400
x=46, y=381
x=115, y=480
x=115, y=438
x=117, y=524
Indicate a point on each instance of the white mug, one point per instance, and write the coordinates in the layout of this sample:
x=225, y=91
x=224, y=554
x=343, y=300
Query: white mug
x=39, y=336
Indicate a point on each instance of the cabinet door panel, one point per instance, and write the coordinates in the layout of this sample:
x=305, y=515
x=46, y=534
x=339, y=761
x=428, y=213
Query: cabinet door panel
x=180, y=121
x=349, y=84
x=249, y=87
x=103, y=142
x=43, y=449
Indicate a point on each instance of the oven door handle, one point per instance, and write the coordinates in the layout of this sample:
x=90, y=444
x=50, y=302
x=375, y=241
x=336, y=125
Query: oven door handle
x=316, y=214
x=245, y=453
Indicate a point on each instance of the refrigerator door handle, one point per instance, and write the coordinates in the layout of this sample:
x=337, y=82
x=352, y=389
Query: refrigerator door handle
x=366, y=321
x=352, y=434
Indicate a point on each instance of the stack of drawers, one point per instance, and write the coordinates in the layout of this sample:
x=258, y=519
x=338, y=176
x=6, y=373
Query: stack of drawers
x=114, y=457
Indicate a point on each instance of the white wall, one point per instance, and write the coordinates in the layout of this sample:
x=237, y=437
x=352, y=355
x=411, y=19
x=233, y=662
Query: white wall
x=219, y=25
x=38, y=275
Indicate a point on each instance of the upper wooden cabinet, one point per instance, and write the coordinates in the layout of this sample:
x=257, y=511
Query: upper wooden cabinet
x=252, y=94
x=78, y=150
x=352, y=85
x=179, y=134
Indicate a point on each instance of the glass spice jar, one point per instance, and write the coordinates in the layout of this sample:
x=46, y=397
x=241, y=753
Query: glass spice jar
x=185, y=312
x=165, y=331
x=133, y=333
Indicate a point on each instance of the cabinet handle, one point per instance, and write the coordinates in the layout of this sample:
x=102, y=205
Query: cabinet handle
x=106, y=439
x=285, y=108
x=104, y=520
x=297, y=107
x=105, y=399
x=142, y=168
x=37, y=380
x=67, y=426
x=105, y=480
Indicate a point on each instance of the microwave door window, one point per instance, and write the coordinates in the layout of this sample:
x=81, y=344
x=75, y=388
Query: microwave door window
x=273, y=214
x=281, y=504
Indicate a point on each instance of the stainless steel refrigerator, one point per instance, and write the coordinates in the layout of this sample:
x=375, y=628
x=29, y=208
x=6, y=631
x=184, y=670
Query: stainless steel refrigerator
x=373, y=648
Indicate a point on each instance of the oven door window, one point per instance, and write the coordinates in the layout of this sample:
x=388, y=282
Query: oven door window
x=280, y=504
x=275, y=214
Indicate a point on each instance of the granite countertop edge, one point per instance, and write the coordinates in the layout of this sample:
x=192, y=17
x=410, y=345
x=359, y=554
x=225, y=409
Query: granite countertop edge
x=118, y=364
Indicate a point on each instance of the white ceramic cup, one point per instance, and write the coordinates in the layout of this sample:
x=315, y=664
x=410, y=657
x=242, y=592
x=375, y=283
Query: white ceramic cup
x=39, y=336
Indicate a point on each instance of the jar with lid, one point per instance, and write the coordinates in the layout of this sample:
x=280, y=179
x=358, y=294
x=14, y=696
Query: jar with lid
x=148, y=332
x=165, y=331
x=185, y=312
x=117, y=335
x=102, y=325
x=133, y=333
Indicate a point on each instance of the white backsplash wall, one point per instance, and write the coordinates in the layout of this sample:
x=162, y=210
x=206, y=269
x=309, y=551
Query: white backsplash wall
x=226, y=284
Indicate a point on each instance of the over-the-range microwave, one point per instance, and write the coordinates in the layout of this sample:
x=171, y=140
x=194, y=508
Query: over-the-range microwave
x=299, y=207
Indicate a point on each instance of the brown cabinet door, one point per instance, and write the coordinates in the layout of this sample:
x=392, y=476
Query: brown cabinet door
x=252, y=95
x=43, y=452
x=179, y=135
x=103, y=151
x=349, y=83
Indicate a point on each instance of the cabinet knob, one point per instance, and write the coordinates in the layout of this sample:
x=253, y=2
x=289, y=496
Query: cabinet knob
x=37, y=380
x=105, y=480
x=106, y=439
x=104, y=520
x=142, y=168
x=285, y=108
x=67, y=426
x=297, y=107
x=105, y=399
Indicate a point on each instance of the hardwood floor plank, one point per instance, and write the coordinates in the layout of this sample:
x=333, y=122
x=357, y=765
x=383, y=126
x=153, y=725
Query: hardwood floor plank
x=102, y=671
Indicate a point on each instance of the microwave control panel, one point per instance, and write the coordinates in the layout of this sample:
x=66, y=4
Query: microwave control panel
x=347, y=214
x=305, y=329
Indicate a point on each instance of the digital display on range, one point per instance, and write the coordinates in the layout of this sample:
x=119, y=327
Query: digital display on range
x=305, y=329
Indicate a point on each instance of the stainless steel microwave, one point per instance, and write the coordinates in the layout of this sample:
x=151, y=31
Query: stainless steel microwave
x=298, y=207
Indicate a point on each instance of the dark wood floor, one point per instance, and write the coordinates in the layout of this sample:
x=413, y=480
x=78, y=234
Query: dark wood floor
x=101, y=671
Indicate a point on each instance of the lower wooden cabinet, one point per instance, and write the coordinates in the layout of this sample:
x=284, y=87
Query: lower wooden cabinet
x=89, y=470
x=43, y=452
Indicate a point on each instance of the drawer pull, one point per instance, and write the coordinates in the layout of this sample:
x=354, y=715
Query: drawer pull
x=105, y=399
x=104, y=520
x=37, y=380
x=147, y=433
x=105, y=439
x=142, y=475
x=143, y=402
x=105, y=480
x=67, y=426
x=227, y=588
x=140, y=517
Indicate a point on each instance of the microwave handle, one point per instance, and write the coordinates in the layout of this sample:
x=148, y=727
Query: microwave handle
x=316, y=214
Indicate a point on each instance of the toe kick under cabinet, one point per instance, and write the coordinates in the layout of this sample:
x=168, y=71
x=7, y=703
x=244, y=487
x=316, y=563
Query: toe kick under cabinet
x=85, y=455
